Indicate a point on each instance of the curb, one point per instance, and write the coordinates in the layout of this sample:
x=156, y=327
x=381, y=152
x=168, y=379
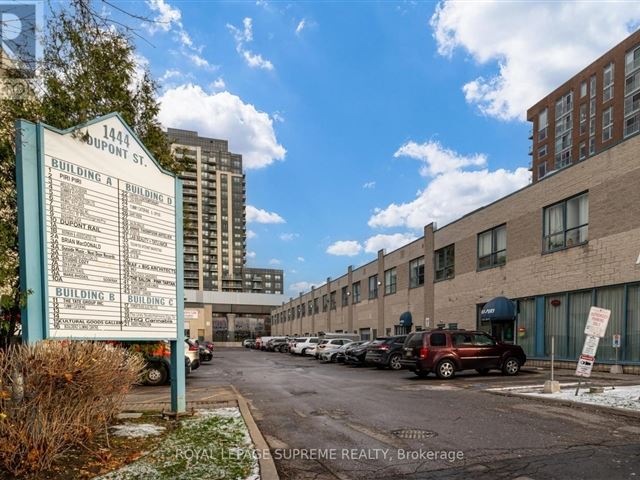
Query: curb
x=567, y=403
x=268, y=469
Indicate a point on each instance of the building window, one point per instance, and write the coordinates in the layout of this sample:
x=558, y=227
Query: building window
x=542, y=170
x=592, y=87
x=592, y=145
x=345, y=296
x=355, y=292
x=416, y=272
x=373, y=287
x=310, y=307
x=583, y=119
x=607, y=124
x=332, y=300
x=566, y=224
x=543, y=123
x=607, y=83
x=444, y=263
x=583, y=150
x=632, y=60
x=492, y=247
x=583, y=89
x=325, y=302
x=542, y=151
x=303, y=311
x=316, y=306
x=390, y=281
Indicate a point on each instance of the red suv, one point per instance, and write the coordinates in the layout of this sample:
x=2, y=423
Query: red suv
x=446, y=352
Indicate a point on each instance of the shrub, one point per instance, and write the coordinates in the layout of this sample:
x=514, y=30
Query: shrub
x=57, y=394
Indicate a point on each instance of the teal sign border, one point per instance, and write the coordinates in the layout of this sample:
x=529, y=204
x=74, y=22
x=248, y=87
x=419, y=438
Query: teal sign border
x=33, y=247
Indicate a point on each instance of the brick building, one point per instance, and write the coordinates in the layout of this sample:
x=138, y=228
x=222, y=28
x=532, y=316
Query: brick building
x=555, y=247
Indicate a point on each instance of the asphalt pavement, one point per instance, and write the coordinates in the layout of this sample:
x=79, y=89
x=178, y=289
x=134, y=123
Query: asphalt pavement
x=330, y=421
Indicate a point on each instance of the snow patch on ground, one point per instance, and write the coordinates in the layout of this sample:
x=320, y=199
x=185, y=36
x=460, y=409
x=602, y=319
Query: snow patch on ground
x=137, y=430
x=625, y=397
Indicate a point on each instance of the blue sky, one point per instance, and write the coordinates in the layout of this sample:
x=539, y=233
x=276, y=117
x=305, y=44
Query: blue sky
x=360, y=122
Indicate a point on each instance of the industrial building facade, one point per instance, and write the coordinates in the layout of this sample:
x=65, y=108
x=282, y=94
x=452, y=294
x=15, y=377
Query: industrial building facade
x=555, y=247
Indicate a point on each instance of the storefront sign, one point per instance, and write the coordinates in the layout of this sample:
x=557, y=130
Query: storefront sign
x=597, y=322
x=109, y=235
x=190, y=314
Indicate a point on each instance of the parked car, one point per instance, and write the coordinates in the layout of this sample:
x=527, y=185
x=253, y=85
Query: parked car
x=446, y=352
x=292, y=343
x=303, y=344
x=328, y=344
x=157, y=357
x=208, y=346
x=281, y=345
x=261, y=342
x=274, y=343
x=192, y=350
x=356, y=355
x=249, y=343
x=386, y=352
x=205, y=354
x=342, y=351
x=331, y=354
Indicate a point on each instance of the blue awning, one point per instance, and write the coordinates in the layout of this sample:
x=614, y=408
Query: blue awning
x=498, y=309
x=406, y=320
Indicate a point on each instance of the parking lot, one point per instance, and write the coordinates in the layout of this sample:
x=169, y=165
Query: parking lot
x=328, y=421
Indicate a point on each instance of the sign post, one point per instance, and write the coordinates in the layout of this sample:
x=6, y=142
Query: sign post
x=594, y=330
x=617, y=342
x=100, y=238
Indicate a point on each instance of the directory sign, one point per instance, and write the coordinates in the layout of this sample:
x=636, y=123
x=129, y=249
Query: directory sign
x=109, y=235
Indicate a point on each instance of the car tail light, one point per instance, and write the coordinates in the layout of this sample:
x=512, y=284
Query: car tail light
x=383, y=347
x=193, y=347
x=424, y=351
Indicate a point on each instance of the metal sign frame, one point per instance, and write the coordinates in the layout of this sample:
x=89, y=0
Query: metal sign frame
x=30, y=178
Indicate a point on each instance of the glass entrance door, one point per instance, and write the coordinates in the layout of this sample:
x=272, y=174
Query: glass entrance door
x=503, y=331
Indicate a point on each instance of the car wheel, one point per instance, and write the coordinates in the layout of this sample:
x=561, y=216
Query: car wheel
x=332, y=359
x=511, y=366
x=394, y=362
x=421, y=373
x=155, y=375
x=446, y=369
x=482, y=371
x=304, y=350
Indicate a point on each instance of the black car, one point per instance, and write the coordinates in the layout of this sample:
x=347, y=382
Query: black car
x=355, y=355
x=386, y=352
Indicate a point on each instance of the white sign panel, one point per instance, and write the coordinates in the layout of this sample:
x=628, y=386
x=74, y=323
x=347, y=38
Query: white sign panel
x=585, y=364
x=597, y=322
x=590, y=346
x=110, y=236
x=190, y=314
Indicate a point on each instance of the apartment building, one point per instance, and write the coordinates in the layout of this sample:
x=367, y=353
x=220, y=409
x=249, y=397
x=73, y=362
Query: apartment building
x=225, y=299
x=594, y=110
x=214, y=200
x=553, y=249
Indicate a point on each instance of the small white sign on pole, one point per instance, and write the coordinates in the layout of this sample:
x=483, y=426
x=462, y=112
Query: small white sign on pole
x=617, y=339
x=597, y=322
x=585, y=364
x=590, y=346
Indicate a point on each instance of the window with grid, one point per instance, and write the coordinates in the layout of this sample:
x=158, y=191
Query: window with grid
x=607, y=83
x=416, y=272
x=344, y=294
x=492, y=247
x=355, y=292
x=390, y=281
x=332, y=300
x=566, y=223
x=607, y=124
x=373, y=287
x=444, y=263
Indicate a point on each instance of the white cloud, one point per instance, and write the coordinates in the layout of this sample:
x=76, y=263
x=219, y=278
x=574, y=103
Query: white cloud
x=301, y=259
x=449, y=196
x=218, y=84
x=303, y=286
x=300, y=26
x=293, y=272
x=251, y=234
x=274, y=261
x=277, y=117
x=251, y=254
x=165, y=18
x=287, y=237
x=388, y=242
x=257, y=215
x=347, y=248
x=438, y=159
x=244, y=36
x=536, y=45
x=171, y=73
x=223, y=115
x=369, y=185
x=169, y=18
